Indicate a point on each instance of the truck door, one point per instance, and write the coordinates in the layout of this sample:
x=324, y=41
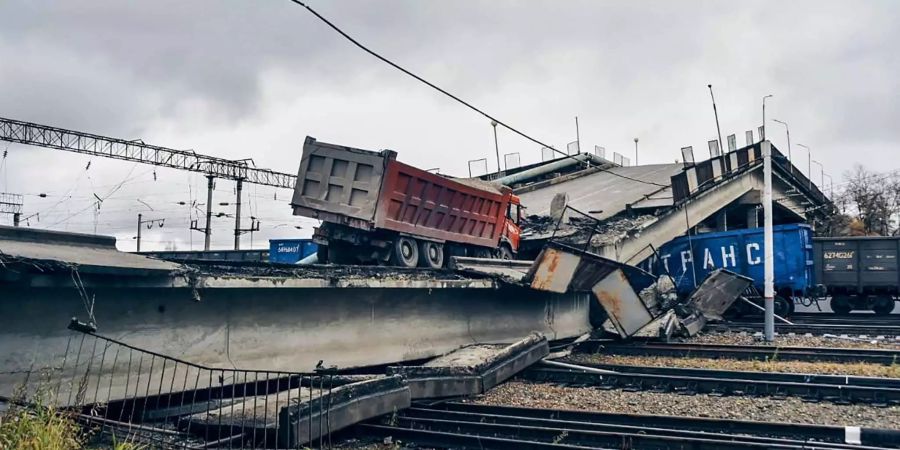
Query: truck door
x=511, y=230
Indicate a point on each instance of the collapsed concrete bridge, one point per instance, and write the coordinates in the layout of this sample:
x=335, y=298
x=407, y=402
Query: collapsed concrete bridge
x=646, y=206
x=263, y=317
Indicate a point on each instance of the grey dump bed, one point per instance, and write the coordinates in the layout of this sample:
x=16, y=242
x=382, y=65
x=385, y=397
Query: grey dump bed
x=339, y=184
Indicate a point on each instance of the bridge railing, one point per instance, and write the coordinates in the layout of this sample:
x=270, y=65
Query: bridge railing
x=122, y=393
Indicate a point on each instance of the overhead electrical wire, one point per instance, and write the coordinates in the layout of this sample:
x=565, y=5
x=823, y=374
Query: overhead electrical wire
x=448, y=94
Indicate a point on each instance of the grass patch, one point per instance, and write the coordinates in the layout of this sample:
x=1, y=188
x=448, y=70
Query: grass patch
x=38, y=428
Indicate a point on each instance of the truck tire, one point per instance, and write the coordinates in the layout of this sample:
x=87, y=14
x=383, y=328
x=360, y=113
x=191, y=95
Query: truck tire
x=504, y=252
x=340, y=253
x=883, y=305
x=431, y=254
x=406, y=252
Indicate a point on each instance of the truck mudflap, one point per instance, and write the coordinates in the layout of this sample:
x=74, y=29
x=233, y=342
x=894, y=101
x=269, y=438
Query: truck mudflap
x=636, y=303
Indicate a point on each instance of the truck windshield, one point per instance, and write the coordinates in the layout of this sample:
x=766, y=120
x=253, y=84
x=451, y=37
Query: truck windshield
x=514, y=216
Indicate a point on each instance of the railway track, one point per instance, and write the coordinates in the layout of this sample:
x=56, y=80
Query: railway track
x=471, y=426
x=758, y=352
x=849, y=318
x=833, y=388
x=872, y=326
x=811, y=328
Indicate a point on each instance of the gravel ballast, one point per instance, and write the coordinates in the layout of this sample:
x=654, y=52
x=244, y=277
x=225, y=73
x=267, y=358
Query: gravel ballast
x=825, y=368
x=796, y=341
x=792, y=410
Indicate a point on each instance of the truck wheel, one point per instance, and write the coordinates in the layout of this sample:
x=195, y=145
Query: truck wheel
x=340, y=254
x=505, y=253
x=406, y=252
x=883, y=306
x=840, y=305
x=322, y=254
x=431, y=254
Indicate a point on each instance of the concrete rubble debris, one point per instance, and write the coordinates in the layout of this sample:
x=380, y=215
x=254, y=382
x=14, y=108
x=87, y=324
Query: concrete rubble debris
x=636, y=303
x=472, y=369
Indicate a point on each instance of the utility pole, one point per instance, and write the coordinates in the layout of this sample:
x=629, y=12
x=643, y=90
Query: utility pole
x=716, y=113
x=496, y=145
x=762, y=135
x=237, y=215
x=238, y=231
x=11, y=204
x=206, y=230
x=787, y=131
x=768, y=244
x=140, y=224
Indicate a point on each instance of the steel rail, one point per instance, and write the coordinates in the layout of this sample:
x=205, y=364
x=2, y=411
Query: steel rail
x=479, y=429
x=759, y=352
x=838, y=380
x=822, y=433
x=850, y=318
x=892, y=329
x=524, y=421
x=690, y=381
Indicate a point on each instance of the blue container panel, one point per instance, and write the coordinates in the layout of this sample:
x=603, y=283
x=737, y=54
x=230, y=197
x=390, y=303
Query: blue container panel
x=290, y=251
x=740, y=251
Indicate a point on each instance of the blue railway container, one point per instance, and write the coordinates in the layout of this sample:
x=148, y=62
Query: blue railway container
x=290, y=251
x=690, y=258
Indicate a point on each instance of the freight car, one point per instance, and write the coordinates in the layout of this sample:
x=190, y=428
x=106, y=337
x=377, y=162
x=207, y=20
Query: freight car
x=375, y=209
x=290, y=251
x=859, y=272
x=689, y=259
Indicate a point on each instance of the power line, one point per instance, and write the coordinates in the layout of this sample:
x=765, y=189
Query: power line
x=441, y=90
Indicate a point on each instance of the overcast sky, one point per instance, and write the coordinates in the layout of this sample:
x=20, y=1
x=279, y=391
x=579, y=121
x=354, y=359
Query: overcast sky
x=251, y=79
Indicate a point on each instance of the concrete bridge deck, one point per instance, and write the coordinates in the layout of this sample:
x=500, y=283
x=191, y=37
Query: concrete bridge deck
x=275, y=318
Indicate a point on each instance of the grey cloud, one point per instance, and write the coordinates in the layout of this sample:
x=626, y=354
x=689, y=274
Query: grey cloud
x=264, y=74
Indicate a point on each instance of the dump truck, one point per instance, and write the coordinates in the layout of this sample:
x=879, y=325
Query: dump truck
x=375, y=209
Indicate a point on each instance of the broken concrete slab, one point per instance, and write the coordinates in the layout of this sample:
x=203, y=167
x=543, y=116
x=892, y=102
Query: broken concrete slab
x=292, y=418
x=511, y=271
x=472, y=369
x=341, y=407
x=636, y=303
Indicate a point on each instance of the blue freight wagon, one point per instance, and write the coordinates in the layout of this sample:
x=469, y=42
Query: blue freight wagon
x=290, y=251
x=689, y=259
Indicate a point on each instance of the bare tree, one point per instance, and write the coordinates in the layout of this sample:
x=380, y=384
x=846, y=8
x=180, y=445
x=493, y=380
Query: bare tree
x=872, y=199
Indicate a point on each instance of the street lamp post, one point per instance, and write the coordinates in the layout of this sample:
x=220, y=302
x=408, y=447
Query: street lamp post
x=716, y=113
x=496, y=146
x=788, y=132
x=822, y=172
x=635, y=151
x=763, y=137
x=808, y=163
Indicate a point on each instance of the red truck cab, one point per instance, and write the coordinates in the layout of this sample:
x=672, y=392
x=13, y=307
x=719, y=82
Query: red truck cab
x=512, y=231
